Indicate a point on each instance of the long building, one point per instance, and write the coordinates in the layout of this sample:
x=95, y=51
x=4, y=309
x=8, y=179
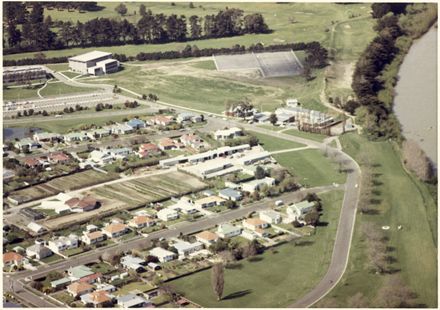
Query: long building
x=94, y=63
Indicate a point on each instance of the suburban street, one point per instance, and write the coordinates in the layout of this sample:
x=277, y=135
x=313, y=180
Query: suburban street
x=344, y=233
x=180, y=228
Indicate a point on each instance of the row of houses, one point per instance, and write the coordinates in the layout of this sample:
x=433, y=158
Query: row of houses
x=45, y=160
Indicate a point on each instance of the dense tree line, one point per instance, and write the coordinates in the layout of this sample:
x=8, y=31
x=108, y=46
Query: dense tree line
x=376, y=116
x=37, y=33
x=316, y=54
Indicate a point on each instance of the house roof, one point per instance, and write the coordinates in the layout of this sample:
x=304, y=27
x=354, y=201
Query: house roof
x=207, y=235
x=271, y=213
x=130, y=300
x=148, y=147
x=166, y=211
x=141, y=219
x=35, y=227
x=166, y=142
x=60, y=281
x=229, y=192
x=181, y=246
x=162, y=118
x=255, y=221
x=58, y=156
x=32, y=161
x=90, y=56
x=159, y=252
x=135, y=122
x=38, y=248
x=11, y=257
x=99, y=297
x=209, y=199
x=94, y=235
x=72, y=202
x=87, y=202
x=91, y=277
x=227, y=228
x=115, y=227
x=78, y=287
x=304, y=204
x=80, y=271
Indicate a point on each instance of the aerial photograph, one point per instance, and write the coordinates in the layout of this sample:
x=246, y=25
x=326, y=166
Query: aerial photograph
x=219, y=154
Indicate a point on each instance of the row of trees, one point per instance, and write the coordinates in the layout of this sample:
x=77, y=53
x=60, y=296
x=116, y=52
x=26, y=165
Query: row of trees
x=375, y=115
x=316, y=54
x=37, y=33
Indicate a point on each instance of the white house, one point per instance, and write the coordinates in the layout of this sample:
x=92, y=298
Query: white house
x=271, y=216
x=63, y=243
x=228, y=133
x=100, y=157
x=36, y=228
x=141, y=221
x=210, y=201
x=75, y=137
x=120, y=153
x=298, y=210
x=162, y=254
x=255, y=185
x=38, y=251
x=254, y=224
x=185, y=248
x=207, y=237
x=115, y=230
x=93, y=237
x=227, y=230
x=167, y=214
x=133, y=263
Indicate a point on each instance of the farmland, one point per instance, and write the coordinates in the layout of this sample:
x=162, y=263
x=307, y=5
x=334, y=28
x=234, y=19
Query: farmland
x=131, y=194
x=70, y=182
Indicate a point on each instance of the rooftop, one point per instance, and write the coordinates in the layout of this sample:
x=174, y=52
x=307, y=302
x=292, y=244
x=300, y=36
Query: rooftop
x=90, y=56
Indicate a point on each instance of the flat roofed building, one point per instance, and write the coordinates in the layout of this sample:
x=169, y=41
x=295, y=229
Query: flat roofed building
x=95, y=63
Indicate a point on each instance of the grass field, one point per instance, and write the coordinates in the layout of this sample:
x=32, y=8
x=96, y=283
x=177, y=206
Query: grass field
x=402, y=200
x=306, y=135
x=52, y=89
x=276, y=279
x=311, y=167
x=271, y=144
x=311, y=20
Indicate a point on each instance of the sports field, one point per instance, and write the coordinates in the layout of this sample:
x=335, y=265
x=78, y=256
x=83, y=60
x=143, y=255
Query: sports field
x=274, y=64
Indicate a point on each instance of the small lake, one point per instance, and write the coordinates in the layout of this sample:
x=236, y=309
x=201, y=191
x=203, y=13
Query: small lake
x=416, y=101
x=19, y=132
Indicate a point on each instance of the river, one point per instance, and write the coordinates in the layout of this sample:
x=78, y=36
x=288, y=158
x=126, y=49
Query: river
x=415, y=103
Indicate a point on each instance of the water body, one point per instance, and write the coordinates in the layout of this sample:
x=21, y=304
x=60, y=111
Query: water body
x=416, y=101
x=18, y=132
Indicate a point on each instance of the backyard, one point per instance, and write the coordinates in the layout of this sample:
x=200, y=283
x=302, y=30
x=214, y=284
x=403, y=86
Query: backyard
x=400, y=199
x=311, y=167
x=273, y=279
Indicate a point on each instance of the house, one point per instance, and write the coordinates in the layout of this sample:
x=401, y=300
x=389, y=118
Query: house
x=162, y=255
x=148, y=149
x=63, y=243
x=227, y=230
x=230, y=194
x=166, y=144
x=46, y=136
x=94, y=63
x=133, y=263
x=141, y=221
x=254, y=224
x=208, y=193
x=91, y=228
x=100, y=157
x=185, y=248
x=75, y=137
x=36, y=228
x=83, y=273
x=191, y=140
x=27, y=143
x=161, y=120
x=93, y=237
x=13, y=259
x=295, y=112
x=60, y=283
x=98, y=133
x=105, y=287
x=98, y=299
x=115, y=230
x=167, y=214
x=33, y=162
x=210, y=201
x=38, y=251
x=121, y=129
x=184, y=205
x=82, y=205
x=207, y=237
x=79, y=288
x=189, y=117
x=230, y=133
x=136, y=123
x=257, y=184
x=271, y=216
x=58, y=158
x=133, y=301
x=248, y=234
x=120, y=153
x=298, y=210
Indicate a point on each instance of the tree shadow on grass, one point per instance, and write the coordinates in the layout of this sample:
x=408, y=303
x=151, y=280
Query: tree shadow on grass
x=237, y=294
x=234, y=266
x=303, y=243
x=254, y=259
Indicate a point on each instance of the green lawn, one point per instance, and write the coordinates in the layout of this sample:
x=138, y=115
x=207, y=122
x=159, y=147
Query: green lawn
x=402, y=200
x=73, y=252
x=311, y=167
x=64, y=297
x=134, y=286
x=20, y=93
x=207, y=65
x=51, y=259
x=276, y=280
x=306, y=135
x=270, y=143
x=70, y=74
x=311, y=22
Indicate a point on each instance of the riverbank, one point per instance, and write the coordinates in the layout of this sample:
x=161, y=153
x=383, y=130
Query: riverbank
x=415, y=102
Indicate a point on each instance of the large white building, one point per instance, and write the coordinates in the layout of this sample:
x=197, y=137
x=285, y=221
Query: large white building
x=94, y=63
